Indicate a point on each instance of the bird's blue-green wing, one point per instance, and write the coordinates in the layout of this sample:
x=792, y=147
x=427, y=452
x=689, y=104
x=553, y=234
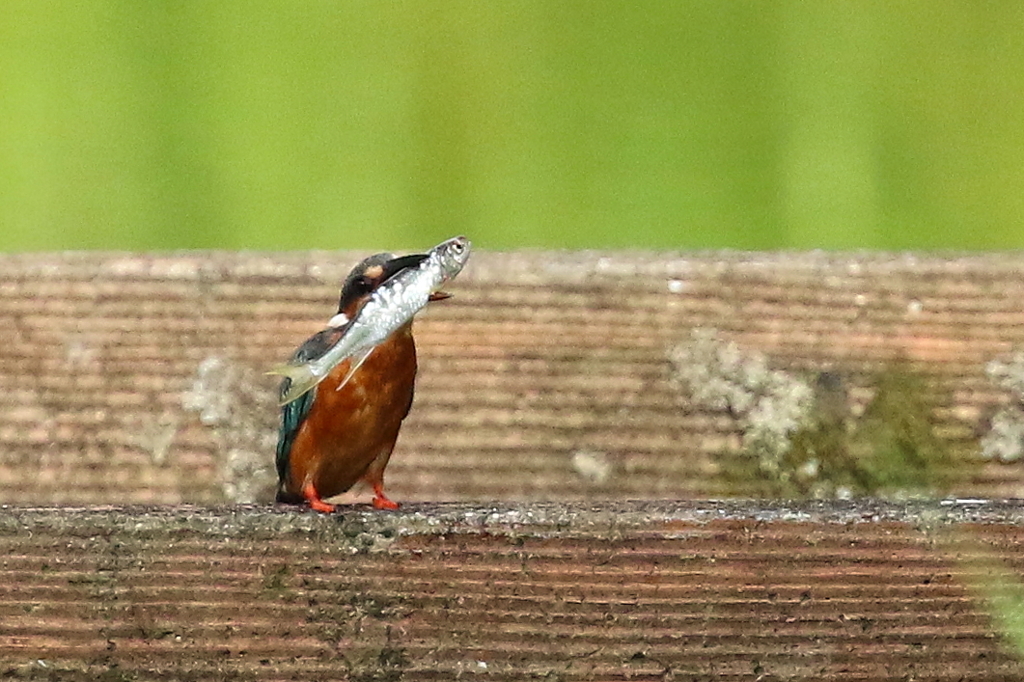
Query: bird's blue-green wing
x=295, y=412
x=292, y=416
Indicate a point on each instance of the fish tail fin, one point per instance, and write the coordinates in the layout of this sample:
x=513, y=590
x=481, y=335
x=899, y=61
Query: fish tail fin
x=293, y=372
x=300, y=381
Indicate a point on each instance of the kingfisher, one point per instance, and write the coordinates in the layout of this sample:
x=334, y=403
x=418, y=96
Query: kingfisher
x=342, y=431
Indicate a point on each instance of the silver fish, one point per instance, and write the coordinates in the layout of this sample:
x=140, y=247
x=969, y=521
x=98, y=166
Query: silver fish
x=390, y=306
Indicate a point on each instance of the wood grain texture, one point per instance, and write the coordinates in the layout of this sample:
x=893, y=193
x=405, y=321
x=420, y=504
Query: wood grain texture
x=616, y=591
x=139, y=378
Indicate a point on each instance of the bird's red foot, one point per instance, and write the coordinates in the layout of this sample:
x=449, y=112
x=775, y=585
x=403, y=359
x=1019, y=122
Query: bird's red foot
x=321, y=506
x=315, y=503
x=382, y=501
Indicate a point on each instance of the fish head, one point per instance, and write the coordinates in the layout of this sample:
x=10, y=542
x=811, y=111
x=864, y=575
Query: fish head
x=451, y=256
x=368, y=276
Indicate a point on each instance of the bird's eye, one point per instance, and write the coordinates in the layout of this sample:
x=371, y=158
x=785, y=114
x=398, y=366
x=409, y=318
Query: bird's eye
x=364, y=284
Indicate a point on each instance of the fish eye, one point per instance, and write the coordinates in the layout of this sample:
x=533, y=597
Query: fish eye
x=458, y=248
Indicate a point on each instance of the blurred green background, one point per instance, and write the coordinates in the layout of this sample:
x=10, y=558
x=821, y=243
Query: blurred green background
x=666, y=124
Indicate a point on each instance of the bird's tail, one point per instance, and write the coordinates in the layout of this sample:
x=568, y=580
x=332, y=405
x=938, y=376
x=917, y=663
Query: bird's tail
x=285, y=497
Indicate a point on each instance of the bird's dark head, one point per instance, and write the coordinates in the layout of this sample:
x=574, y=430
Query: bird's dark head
x=368, y=275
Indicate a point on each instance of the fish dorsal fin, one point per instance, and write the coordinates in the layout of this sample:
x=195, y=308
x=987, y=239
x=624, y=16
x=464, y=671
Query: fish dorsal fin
x=357, y=362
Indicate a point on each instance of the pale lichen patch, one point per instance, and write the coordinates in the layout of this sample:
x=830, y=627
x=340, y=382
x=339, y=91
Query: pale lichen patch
x=1004, y=438
x=237, y=403
x=770, y=405
x=592, y=466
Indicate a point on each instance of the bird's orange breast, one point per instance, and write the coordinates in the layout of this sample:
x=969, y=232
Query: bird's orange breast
x=347, y=429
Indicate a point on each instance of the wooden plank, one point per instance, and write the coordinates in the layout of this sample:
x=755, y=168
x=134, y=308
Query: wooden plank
x=616, y=591
x=138, y=378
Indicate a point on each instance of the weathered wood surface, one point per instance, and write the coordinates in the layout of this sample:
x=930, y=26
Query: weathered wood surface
x=508, y=592
x=138, y=378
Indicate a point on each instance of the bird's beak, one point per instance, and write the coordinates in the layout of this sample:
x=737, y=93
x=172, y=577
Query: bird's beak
x=396, y=265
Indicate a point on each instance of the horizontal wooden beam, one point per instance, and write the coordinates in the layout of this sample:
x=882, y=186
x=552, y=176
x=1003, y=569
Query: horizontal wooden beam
x=139, y=378
x=641, y=590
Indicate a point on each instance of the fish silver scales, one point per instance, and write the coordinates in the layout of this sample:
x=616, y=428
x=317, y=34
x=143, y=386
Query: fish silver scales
x=390, y=306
